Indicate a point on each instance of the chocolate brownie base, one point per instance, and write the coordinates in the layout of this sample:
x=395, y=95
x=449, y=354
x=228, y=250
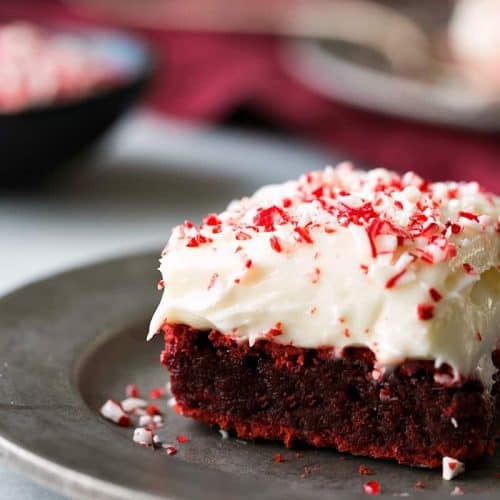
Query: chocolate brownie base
x=271, y=391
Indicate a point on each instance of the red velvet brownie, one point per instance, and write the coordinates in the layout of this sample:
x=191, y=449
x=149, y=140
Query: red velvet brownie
x=348, y=309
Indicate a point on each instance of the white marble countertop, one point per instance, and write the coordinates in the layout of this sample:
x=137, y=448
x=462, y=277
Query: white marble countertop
x=148, y=175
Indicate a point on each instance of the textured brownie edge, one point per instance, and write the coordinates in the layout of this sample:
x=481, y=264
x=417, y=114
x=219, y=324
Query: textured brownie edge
x=312, y=396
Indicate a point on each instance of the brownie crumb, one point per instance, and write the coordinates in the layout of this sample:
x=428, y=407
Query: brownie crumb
x=309, y=469
x=365, y=471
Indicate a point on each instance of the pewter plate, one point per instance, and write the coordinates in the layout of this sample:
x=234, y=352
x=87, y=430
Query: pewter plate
x=70, y=342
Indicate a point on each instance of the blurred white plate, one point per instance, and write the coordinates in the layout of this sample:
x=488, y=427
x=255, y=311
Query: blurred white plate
x=334, y=74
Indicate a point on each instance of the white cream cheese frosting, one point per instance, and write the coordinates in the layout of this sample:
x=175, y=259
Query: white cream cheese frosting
x=343, y=257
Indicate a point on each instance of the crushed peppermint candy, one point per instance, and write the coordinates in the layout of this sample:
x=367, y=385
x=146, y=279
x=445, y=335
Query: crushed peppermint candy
x=152, y=409
x=372, y=488
x=468, y=268
x=143, y=436
x=435, y=295
x=457, y=491
x=275, y=244
x=224, y=434
x=315, y=275
x=111, y=410
x=39, y=67
x=171, y=450
x=157, y=393
x=131, y=404
x=146, y=415
x=397, y=213
x=182, y=439
x=425, y=311
x=151, y=421
x=452, y=468
x=145, y=420
x=403, y=221
x=132, y=391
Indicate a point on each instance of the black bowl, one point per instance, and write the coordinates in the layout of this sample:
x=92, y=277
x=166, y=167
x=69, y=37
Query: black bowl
x=38, y=142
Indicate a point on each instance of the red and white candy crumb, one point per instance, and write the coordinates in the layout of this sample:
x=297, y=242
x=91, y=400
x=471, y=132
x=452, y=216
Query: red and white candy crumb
x=157, y=393
x=111, y=410
x=38, y=67
x=132, y=391
x=151, y=421
x=131, y=404
x=452, y=468
x=147, y=417
x=372, y=488
x=224, y=434
x=457, y=491
x=152, y=409
x=171, y=450
x=143, y=436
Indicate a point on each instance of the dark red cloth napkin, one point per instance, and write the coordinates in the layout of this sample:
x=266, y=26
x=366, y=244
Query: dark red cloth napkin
x=203, y=77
